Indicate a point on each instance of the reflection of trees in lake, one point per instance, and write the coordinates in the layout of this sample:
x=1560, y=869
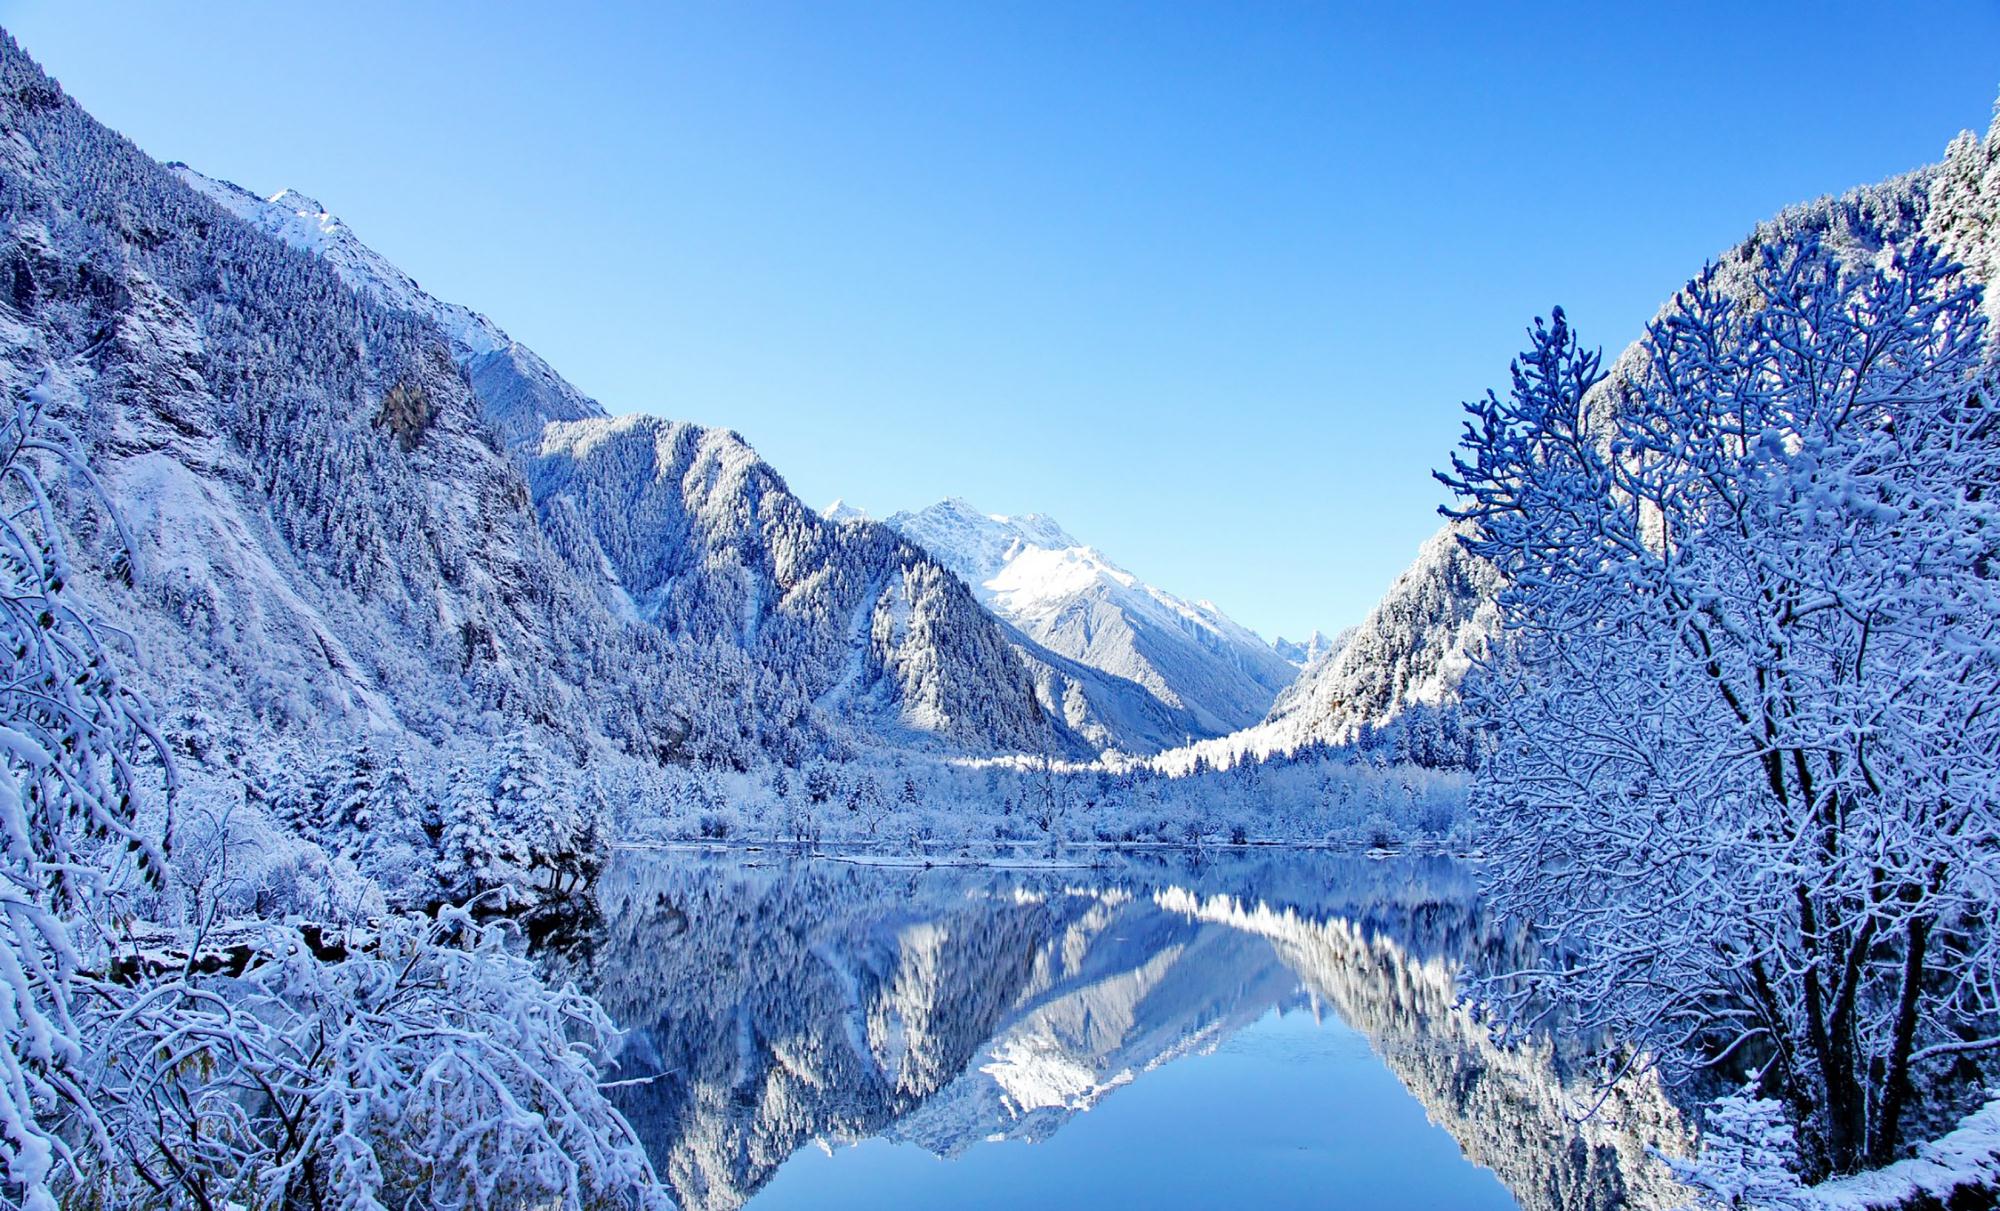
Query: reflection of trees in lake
x=781, y=1003
x=1513, y=1110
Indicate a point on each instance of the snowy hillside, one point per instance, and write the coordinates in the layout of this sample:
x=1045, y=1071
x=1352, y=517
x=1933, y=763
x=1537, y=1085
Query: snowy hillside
x=702, y=538
x=1414, y=647
x=714, y=592
x=1207, y=670
x=520, y=391
x=332, y=544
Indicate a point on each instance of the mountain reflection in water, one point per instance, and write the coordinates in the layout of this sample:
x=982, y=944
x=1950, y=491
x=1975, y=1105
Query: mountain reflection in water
x=774, y=1001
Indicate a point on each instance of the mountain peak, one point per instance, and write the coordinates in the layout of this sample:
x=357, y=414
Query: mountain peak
x=1304, y=652
x=1069, y=596
x=298, y=203
x=840, y=510
x=520, y=391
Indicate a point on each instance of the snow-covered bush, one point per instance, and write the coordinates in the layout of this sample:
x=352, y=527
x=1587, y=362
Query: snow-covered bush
x=422, y=1065
x=1748, y=1158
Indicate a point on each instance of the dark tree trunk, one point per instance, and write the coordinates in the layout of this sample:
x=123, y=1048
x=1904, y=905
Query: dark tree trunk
x=1896, y=1084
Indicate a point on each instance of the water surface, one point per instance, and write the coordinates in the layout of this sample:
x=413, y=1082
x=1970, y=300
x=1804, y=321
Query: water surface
x=1261, y=1028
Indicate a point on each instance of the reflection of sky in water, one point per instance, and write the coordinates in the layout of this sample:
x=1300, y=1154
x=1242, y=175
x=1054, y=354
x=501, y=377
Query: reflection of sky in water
x=1288, y=1112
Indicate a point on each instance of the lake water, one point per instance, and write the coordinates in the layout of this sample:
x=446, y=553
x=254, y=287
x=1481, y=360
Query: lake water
x=1258, y=1028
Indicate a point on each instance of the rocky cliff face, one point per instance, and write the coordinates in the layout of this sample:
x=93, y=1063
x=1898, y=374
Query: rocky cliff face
x=702, y=539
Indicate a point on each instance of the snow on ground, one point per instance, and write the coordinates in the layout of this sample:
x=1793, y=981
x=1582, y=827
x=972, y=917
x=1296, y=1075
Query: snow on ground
x=1966, y=1158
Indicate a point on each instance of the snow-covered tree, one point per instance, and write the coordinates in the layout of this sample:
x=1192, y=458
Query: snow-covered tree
x=78, y=756
x=820, y=783
x=1744, y=702
x=1748, y=1160
x=350, y=796
x=473, y=855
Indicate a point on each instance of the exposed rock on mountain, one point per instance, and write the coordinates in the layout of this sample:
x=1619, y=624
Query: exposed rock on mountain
x=702, y=539
x=1300, y=653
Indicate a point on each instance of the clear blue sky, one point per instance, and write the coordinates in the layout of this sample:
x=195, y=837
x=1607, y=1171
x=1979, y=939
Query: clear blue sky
x=1206, y=283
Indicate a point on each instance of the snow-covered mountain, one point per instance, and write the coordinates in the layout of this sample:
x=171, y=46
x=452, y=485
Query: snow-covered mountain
x=1414, y=647
x=348, y=520
x=519, y=390
x=840, y=510
x=1070, y=598
x=522, y=396
x=1302, y=652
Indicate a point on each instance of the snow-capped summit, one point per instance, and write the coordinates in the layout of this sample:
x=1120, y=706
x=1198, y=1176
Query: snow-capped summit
x=840, y=511
x=1074, y=600
x=520, y=391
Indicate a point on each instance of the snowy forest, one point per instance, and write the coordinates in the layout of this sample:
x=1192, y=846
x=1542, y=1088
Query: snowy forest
x=352, y=650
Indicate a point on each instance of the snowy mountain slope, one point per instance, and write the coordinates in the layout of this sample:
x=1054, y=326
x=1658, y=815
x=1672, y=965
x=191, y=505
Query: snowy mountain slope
x=1210, y=672
x=1414, y=647
x=324, y=532
x=331, y=541
x=703, y=539
x=704, y=577
x=840, y=510
x=520, y=391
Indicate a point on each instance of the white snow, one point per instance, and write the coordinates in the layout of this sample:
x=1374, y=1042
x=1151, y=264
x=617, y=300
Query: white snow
x=1968, y=1156
x=1212, y=673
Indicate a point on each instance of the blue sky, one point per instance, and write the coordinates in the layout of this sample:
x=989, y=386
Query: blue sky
x=1205, y=282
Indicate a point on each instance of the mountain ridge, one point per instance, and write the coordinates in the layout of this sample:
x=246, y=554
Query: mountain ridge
x=328, y=473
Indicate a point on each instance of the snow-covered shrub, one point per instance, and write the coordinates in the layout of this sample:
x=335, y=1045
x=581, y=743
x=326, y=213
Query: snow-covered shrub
x=1748, y=1159
x=233, y=862
x=1379, y=831
x=424, y=1065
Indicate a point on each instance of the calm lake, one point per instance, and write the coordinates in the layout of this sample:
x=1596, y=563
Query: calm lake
x=1255, y=1028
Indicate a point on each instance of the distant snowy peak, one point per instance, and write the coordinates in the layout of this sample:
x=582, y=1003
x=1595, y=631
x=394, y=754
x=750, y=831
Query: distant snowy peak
x=1071, y=598
x=1303, y=652
x=840, y=511
x=519, y=390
